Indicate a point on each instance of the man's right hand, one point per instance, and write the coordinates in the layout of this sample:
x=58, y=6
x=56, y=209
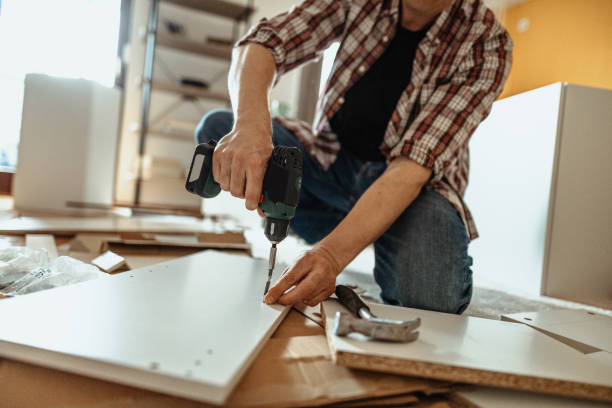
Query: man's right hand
x=240, y=160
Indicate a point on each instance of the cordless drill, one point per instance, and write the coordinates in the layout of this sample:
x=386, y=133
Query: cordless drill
x=280, y=191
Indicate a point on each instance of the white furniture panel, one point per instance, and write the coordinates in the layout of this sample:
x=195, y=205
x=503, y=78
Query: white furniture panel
x=541, y=192
x=67, y=149
x=188, y=327
x=477, y=351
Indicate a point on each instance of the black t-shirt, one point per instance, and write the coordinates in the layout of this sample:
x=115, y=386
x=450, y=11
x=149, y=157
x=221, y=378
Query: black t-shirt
x=362, y=120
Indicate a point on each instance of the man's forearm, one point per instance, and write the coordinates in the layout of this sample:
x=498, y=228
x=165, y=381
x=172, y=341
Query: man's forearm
x=250, y=79
x=381, y=204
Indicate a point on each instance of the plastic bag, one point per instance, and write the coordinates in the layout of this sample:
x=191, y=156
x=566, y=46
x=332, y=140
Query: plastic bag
x=24, y=270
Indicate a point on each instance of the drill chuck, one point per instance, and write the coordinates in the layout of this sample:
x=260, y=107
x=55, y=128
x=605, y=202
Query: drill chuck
x=276, y=229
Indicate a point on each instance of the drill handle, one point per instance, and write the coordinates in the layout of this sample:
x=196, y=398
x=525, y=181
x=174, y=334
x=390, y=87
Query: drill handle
x=200, y=179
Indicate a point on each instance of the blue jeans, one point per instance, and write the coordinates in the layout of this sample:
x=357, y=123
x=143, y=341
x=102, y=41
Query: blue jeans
x=421, y=260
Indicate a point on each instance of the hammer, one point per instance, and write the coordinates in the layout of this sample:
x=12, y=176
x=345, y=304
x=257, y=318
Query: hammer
x=365, y=322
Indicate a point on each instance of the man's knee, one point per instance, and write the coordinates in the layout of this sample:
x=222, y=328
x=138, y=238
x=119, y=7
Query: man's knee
x=214, y=125
x=450, y=295
x=424, y=274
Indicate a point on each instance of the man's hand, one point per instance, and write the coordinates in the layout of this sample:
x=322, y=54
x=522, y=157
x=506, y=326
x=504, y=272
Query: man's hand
x=239, y=162
x=314, y=277
x=241, y=157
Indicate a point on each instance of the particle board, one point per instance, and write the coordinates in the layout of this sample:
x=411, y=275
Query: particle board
x=477, y=351
x=588, y=328
x=188, y=327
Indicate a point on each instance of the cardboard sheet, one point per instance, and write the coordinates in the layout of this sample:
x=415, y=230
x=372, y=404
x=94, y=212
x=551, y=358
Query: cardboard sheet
x=189, y=327
x=476, y=351
x=298, y=371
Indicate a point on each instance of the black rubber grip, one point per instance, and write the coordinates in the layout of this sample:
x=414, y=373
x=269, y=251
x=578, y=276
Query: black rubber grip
x=350, y=300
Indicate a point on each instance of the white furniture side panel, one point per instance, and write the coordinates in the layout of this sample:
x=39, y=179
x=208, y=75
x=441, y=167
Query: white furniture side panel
x=580, y=257
x=68, y=143
x=511, y=165
x=50, y=157
x=102, y=144
x=188, y=327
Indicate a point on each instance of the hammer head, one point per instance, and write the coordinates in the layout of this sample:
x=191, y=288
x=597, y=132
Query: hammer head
x=345, y=323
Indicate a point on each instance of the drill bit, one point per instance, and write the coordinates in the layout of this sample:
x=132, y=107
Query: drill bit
x=272, y=260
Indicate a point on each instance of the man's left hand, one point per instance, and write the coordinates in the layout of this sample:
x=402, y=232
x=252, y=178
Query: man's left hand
x=314, y=277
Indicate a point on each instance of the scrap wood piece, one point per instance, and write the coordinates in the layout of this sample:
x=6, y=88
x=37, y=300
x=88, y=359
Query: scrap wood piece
x=298, y=371
x=477, y=351
x=403, y=399
x=42, y=241
x=109, y=261
x=225, y=240
x=585, y=331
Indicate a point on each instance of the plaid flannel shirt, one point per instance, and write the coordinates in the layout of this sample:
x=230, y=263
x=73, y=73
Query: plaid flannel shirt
x=459, y=69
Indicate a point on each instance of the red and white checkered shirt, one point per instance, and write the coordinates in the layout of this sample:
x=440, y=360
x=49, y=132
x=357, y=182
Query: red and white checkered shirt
x=459, y=69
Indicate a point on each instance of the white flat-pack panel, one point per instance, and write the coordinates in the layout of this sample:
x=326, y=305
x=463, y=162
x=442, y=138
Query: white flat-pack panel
x=68, y=143
x=478, y=351
x=188, y=327
x=511, y=168
x=585, y=327
x=579, y=259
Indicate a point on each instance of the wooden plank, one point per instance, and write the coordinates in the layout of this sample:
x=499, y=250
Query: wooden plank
x=590, y=329
x=221, y=8
x=42, y=241
x=71, y=225
x=189, y=327
x=195, y=47
x=476, y=351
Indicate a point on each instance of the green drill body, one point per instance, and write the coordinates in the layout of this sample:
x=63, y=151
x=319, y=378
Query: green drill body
x=279, y=195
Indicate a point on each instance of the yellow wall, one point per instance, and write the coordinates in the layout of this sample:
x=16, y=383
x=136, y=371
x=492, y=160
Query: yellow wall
x=567, y=40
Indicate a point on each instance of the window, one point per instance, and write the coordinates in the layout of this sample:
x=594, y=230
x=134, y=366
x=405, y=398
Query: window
x=66, y=38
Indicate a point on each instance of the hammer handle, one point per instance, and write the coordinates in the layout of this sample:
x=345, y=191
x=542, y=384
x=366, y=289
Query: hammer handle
x=351, y=300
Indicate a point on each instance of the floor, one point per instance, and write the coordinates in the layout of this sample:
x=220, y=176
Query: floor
x=489, y=299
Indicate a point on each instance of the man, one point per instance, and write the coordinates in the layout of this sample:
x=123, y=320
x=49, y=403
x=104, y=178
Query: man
x=386, y=161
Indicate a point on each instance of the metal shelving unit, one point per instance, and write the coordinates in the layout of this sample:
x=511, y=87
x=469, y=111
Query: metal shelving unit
x=236, y=14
